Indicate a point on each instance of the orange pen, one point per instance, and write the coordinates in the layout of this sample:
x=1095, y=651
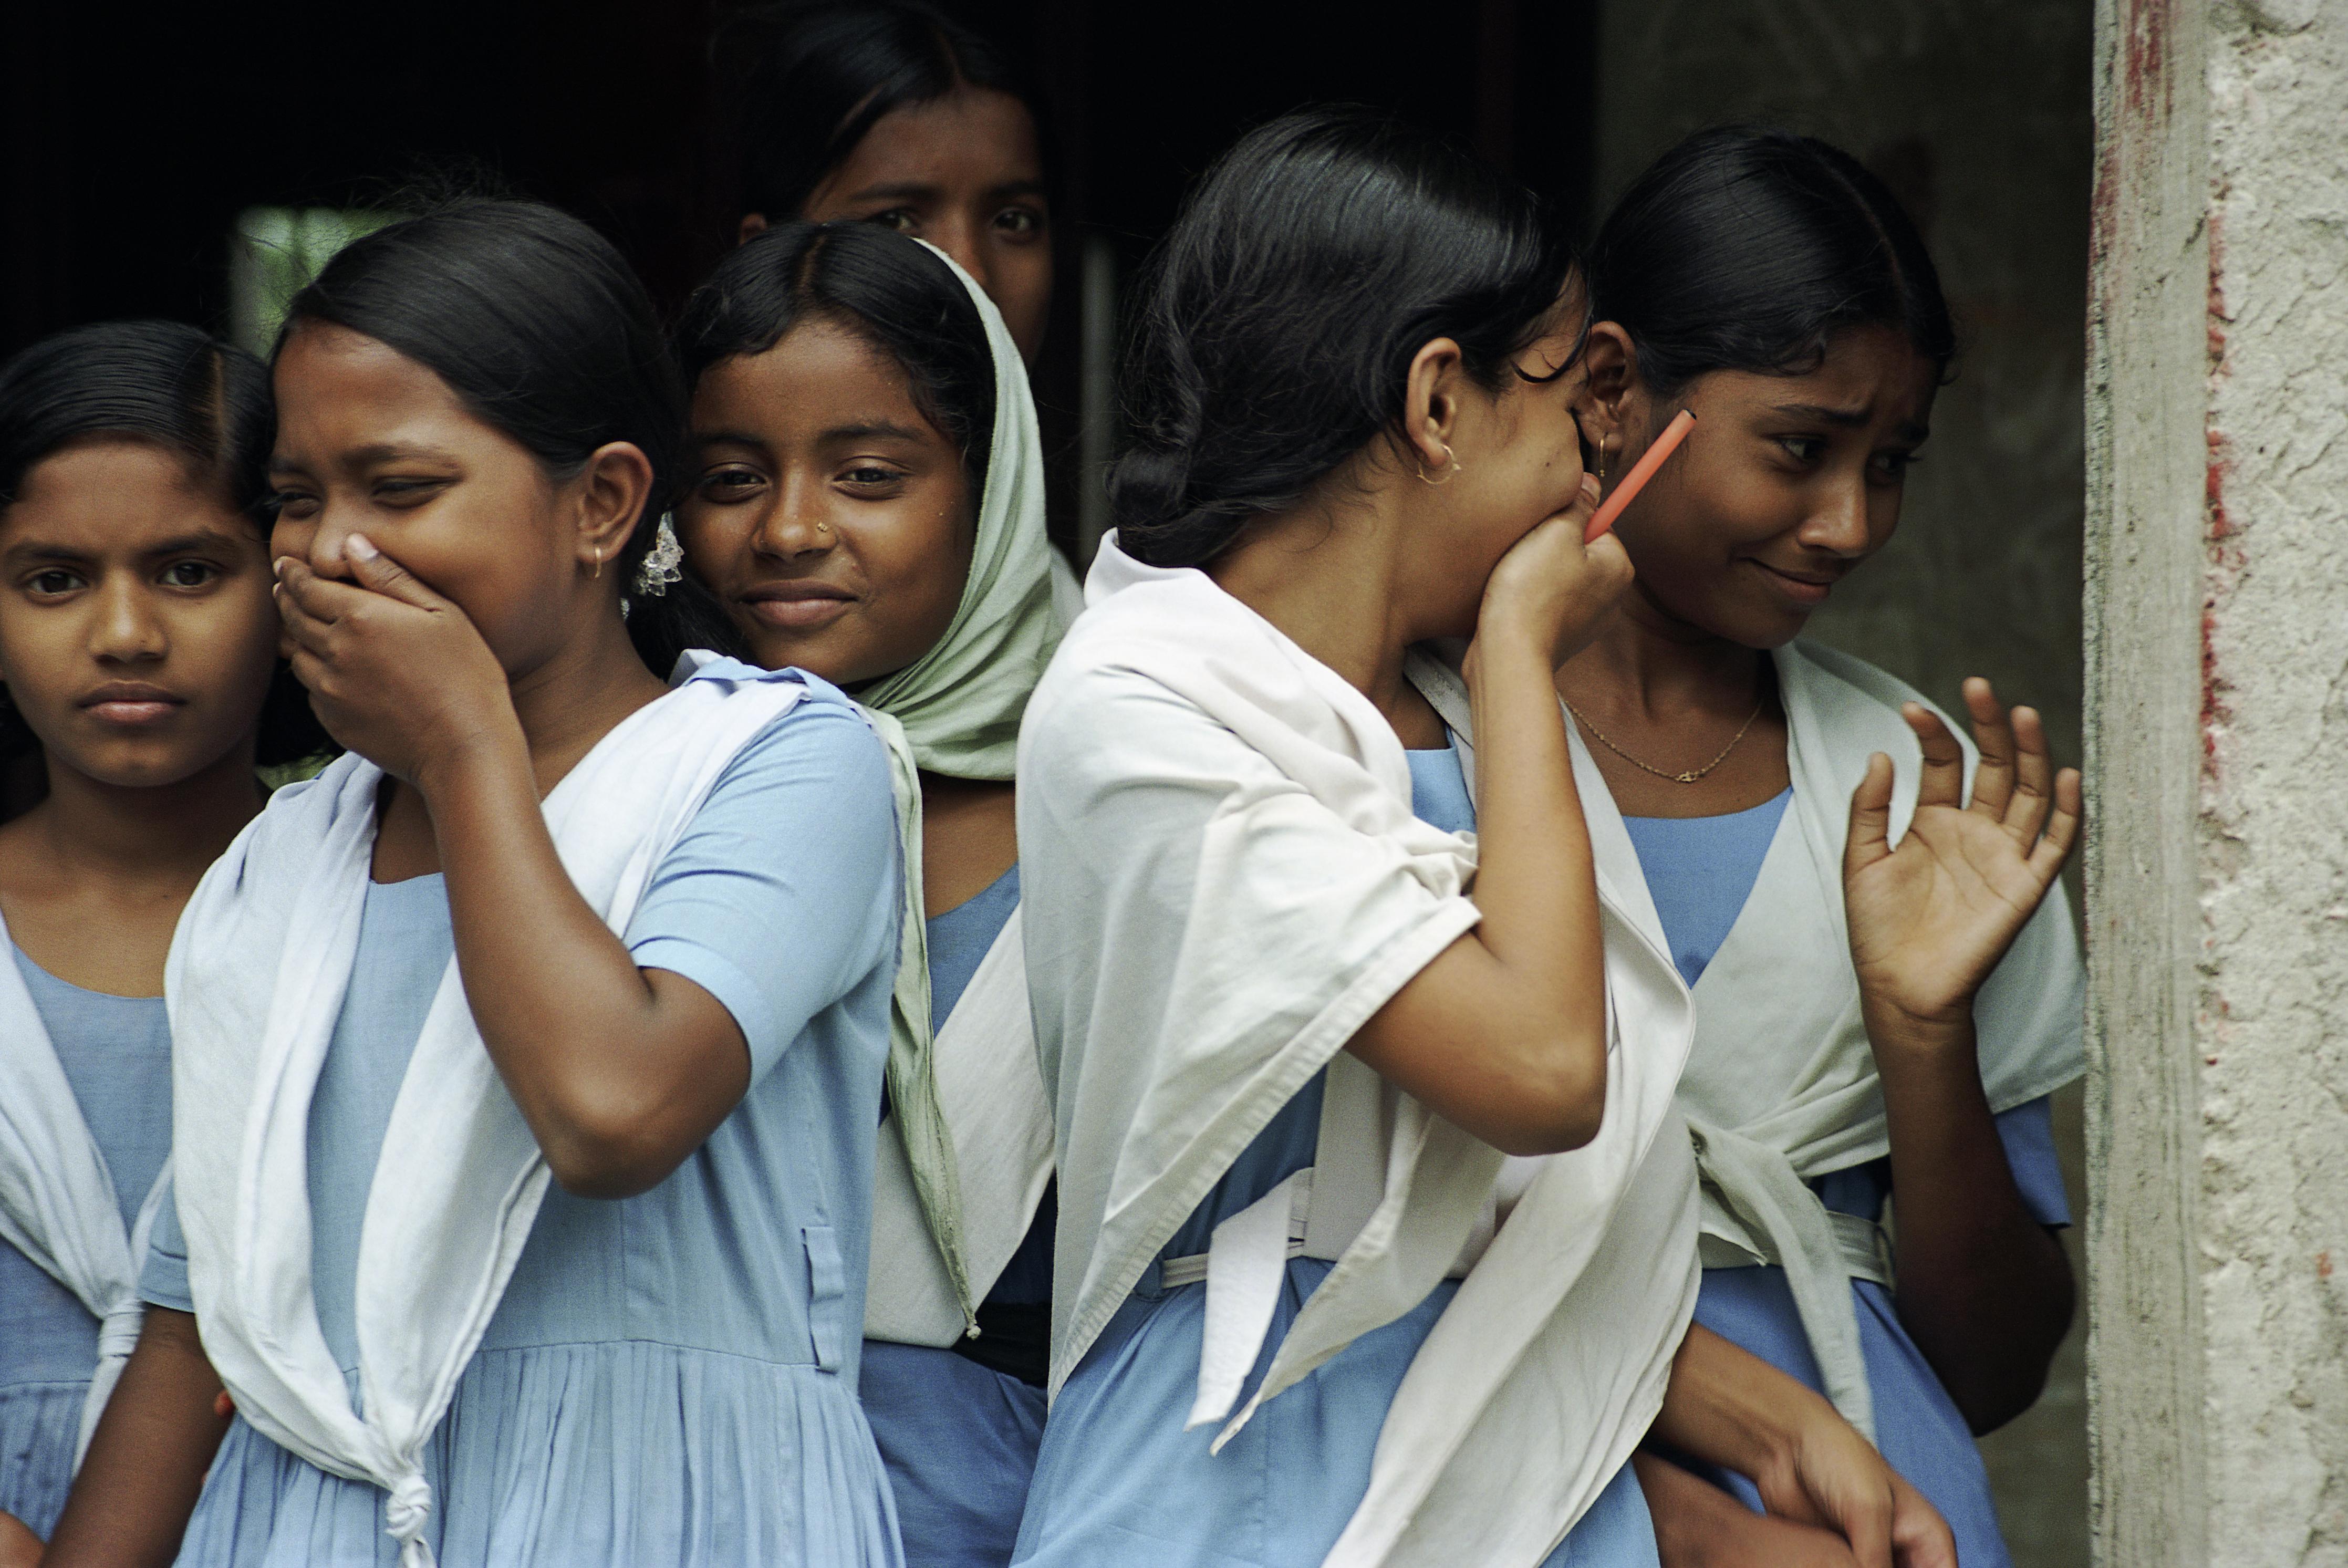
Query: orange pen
x=1641, y=472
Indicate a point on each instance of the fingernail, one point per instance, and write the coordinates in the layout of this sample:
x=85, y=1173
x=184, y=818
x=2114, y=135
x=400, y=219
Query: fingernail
x=1590, y=486
x=277, y=567
x=360, y=545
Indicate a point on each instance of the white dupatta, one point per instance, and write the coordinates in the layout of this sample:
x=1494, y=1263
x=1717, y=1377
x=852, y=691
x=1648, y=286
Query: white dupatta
x=1781, y=1086
x=1189, y=769
x=59, y=1203
x=255, y=981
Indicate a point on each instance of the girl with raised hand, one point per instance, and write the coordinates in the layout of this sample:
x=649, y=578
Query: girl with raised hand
x=1887, y=986
x=1296, y=1019
x=867, y=500
x=138, y=648
x=527, y=1061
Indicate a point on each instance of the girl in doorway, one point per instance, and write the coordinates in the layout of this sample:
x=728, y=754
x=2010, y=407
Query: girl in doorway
x=529, y=1060
x=867, y=501
x=890, y=112
x=1291, y=1053
x=1871, y=1020
x=139, y=647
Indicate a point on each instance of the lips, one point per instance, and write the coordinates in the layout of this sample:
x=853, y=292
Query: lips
x=798, y=606
x=131, y=703
x=1805, y=588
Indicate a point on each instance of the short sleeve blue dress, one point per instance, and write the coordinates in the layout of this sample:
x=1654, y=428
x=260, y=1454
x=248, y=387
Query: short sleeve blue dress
x=117, y=1055
x=670, y=1378
x=1120, y=1482
x=1700, y=871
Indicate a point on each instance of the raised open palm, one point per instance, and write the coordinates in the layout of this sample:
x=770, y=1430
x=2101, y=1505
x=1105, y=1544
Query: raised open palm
x=1930, y=919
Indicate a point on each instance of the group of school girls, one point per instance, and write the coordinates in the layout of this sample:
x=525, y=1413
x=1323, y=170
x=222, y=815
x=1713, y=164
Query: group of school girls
x=1382, y=1033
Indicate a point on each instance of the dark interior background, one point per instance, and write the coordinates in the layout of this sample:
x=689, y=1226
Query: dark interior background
x=134, y=134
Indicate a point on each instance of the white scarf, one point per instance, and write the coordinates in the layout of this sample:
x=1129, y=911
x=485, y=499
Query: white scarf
x=1316, y=896
x=255, y=981
x=1781, y=1085
x=59, y=1204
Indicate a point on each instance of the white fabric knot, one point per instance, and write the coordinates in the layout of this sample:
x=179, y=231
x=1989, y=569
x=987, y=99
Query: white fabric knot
x=405, y=1514
x=117, y=1331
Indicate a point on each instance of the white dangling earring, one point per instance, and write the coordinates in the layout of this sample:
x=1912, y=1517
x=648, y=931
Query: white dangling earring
x=662, y=562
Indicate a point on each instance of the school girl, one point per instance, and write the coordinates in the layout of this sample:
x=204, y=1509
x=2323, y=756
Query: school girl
x=867, y=500
x=890, y=112
x=138, y=647
x=1870, y=1020
x=527, y=1062
x=1288, y=1046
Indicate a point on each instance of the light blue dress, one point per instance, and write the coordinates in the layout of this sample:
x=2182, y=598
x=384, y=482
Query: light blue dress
x=1120, y=1482
x=117, y=1055
x=669, y=1378
x=1700, y=869
x=959, y=1429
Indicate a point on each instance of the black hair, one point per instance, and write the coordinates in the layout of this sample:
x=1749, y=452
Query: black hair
x=1748, y=248
x=803, y=81
x=889, y=289
x=174, y=386
x=1278, y=319
x=544, y=332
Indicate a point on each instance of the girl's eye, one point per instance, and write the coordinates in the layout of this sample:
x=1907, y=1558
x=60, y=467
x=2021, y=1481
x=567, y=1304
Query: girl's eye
x=293, y=504
x=902, y=219
x=1804, y=448
x=1895, y=465
x=55, y=581
x=190, y=573
x=1020, y=221
x=871, y=474
x=405, y=492
x=731, y=483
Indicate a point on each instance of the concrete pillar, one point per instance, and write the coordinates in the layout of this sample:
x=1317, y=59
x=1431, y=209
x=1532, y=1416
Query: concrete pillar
x=2216, y=636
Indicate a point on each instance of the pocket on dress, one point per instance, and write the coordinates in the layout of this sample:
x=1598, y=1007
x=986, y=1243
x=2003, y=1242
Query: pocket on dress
x=826, y=1296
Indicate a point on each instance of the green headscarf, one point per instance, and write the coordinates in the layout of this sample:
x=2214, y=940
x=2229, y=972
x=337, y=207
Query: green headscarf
x=955, y=711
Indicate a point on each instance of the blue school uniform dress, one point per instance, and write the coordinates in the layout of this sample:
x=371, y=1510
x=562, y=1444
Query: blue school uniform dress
x=117, y=1055
x=670, y=1378
x=958, y=1429
x=1700, y=871
x=1120, y=1481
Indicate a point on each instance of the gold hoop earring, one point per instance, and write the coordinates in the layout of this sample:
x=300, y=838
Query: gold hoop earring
x=598, y=572
x=1446, y=480
x=1601, y=462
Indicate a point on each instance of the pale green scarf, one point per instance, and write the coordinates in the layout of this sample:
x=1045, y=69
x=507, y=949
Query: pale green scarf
x=955, y=711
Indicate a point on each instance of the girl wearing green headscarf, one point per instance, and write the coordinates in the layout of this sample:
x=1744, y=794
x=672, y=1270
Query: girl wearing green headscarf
x=868, y=500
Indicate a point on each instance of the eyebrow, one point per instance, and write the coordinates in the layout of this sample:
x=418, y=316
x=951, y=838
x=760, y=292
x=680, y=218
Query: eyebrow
x=376, y=452
x=881, y=427
x=1849, y=419
x=32, y=549
x=912, y=191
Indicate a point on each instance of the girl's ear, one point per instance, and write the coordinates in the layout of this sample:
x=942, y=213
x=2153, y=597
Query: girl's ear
x=614, y=487
x=1610, y=395
x=1430, y=407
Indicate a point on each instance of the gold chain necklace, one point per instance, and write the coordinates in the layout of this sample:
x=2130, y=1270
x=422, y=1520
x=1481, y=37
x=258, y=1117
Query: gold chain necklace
x=1690, y=777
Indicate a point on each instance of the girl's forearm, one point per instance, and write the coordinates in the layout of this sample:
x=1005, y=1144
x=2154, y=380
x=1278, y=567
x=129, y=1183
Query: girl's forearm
x=1982, y=1288
x=146, y=1461
x=618, y=1075
x=1534, y=881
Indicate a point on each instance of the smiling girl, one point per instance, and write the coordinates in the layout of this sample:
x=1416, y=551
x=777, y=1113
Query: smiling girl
x=1302, y=989
x=140, y=652
x=527, y=1061
x=869, y=504
x=1887, y=986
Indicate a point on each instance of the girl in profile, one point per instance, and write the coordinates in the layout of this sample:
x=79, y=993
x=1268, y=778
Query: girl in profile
x=1887, y=986
x=1377, y=1221
x=866, y=499
x=139, y=647
x=526, y=1061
